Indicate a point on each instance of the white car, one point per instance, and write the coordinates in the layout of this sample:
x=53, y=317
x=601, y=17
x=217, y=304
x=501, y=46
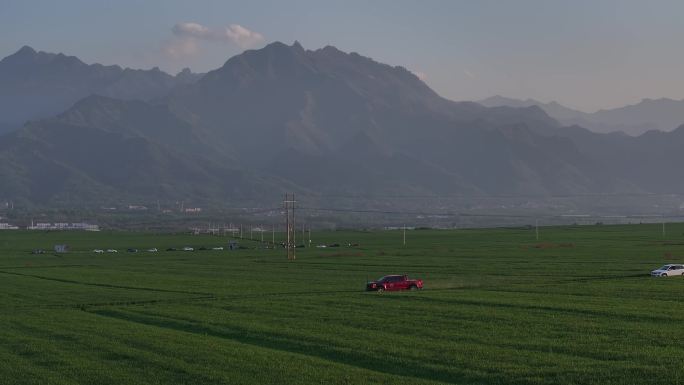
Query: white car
x=217, y=248
x=668, y=271
x=98, y=251
x=112, y=251
x=152, y=250
x=187, y=248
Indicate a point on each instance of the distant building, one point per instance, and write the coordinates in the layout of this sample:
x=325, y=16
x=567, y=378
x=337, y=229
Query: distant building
x=84, y=226
x=7, y=226
x=63, y=226
x=61, y=248
x=193, y=210
x=137, y=207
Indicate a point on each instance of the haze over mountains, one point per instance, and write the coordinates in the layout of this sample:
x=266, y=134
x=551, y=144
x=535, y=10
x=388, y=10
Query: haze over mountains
x=283, y=118
x=37, y=85
x=650, y=114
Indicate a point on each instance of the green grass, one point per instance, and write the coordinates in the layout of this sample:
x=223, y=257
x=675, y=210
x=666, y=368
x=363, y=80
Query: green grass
x=499, y=307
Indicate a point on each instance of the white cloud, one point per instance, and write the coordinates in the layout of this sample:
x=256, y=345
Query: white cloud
x=234, y=33
x=191, y=30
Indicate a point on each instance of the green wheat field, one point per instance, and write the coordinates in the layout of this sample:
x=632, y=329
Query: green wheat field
x=499, y=306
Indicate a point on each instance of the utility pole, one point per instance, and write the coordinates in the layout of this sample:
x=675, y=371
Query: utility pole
x=309, y=235
x=290, y=244
x=536, y=228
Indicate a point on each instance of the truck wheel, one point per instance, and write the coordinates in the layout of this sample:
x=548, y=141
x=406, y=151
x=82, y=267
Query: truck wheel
x=663, y=275
x=413, y=287
x=380, y=289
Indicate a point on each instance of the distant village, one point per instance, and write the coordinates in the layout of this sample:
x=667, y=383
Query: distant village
x=83, y=226
x=44, y=226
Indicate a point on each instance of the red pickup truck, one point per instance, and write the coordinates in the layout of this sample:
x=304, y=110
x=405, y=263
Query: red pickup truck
x=394, y=282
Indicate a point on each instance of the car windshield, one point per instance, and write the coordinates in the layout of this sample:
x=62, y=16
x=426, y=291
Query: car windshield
x=387, y=278
x=665, y=267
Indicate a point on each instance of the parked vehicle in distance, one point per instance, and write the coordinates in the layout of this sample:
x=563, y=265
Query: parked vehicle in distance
x=668, y=270
x=98, y=251
x=394, y=283
x=152, y=250
x=131, y=250
x=217, y=248
x=188, y=248
x=37, y=251
x=112, y=250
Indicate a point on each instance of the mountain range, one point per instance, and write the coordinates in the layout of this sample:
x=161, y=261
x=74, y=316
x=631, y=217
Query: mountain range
x=35, y=85
x=283, y=118
x=649, y=114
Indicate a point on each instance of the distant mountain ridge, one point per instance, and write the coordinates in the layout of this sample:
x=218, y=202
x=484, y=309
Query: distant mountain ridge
x=650, y=114
x=283, y=118
x=36, y=85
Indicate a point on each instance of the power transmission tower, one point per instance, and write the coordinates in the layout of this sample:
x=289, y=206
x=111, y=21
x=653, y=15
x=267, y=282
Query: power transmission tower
x=290, y=244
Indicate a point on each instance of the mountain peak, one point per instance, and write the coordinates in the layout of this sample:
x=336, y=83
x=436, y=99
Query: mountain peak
x=26, y=50
x=276, y=45
x=279, y=46
x=24, y=54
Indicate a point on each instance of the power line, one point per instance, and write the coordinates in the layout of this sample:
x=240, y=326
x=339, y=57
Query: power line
x=491, y=215
x=497, y=196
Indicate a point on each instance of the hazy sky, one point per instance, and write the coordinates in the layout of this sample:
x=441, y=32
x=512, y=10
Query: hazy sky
x=587, y=54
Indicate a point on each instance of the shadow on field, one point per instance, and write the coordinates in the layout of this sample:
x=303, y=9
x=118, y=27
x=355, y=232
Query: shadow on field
x=546, y=308
x=141, y=302
x=62, y=280
x=607, y=278
x=387, y=364
x=86, y=305
x=31, y=266
x=601, y=278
